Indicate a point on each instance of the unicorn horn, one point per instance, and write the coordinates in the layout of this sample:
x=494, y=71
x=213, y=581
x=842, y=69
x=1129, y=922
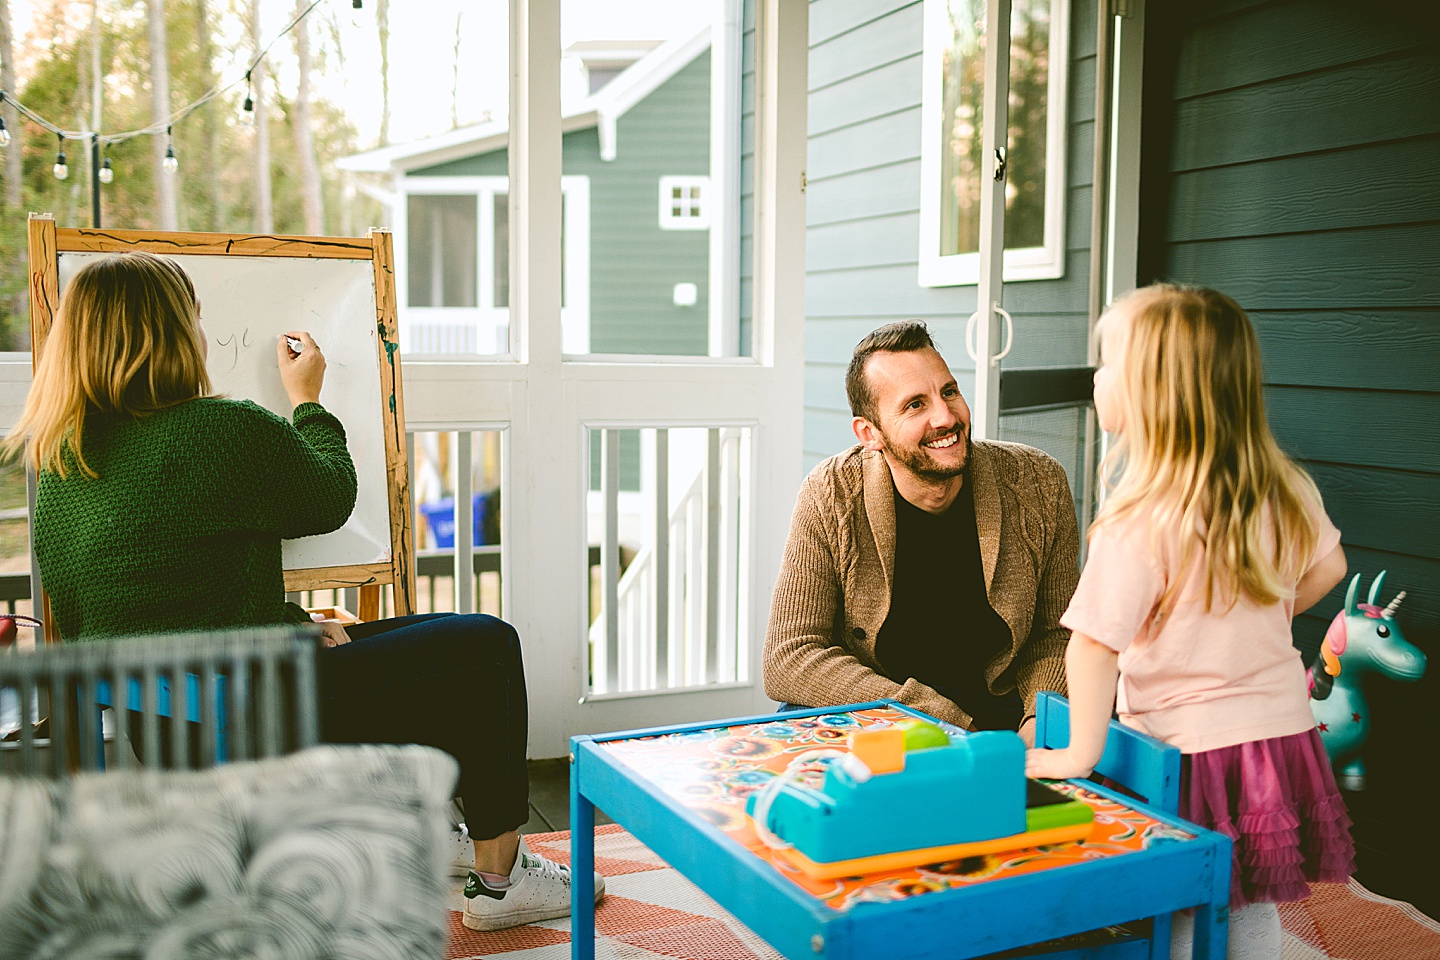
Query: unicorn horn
x=1394, y=605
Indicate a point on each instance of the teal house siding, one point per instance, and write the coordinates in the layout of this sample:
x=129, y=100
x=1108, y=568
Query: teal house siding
x=1304, y=184
x=634, y=265
x=1292, y=160
x=863, y=216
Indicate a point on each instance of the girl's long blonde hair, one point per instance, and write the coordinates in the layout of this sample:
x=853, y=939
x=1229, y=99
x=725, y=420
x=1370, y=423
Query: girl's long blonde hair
x=1195, y=452
x=125, y=341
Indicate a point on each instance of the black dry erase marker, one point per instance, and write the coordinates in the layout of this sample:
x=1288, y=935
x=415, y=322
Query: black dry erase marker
x=295, y=345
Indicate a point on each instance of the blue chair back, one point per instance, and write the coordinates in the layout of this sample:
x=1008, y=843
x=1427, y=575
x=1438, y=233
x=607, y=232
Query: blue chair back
x=1145, y=766
x=244, y=694
x=1139, y=763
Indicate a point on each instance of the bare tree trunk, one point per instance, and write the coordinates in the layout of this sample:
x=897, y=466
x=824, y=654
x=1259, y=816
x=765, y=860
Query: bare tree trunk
x=208, y=126
x=264, y=203
x=165, y=208
x=311, y=198
x=382, y=22
x=13, y=173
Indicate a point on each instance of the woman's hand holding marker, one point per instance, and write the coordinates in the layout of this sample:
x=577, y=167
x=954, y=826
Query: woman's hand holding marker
x=302, y=367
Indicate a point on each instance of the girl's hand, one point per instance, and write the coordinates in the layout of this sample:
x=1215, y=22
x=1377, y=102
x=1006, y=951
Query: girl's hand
x=1054, y=765
x=302, y=373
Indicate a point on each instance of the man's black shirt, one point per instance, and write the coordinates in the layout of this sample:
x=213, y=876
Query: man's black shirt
x=941, y=629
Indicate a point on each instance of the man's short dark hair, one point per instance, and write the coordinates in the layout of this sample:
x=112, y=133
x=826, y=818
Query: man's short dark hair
x=902, y=336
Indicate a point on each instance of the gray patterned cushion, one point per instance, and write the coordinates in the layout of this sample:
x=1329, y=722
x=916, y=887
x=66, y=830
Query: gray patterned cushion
x=331, y=852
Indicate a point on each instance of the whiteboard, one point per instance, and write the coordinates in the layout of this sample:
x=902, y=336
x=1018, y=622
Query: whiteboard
x=245, y=303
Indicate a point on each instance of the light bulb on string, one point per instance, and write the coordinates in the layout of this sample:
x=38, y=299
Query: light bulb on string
x=171, y=162
x=247, y=109
x=61, y=169
x=107, y=172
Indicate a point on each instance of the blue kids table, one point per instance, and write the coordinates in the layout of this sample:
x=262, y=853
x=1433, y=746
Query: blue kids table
x=682, y=790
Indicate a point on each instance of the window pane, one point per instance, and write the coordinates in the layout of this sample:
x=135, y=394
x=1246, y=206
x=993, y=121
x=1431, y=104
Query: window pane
x=442, y=234
x=15, y=540
x=960, y=156
x=502, y=250
x=442, y=465
x=669, y=610
x=629, y=441
x=649, y=243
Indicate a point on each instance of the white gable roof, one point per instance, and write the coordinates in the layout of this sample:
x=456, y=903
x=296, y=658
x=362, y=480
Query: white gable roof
x=601, y=109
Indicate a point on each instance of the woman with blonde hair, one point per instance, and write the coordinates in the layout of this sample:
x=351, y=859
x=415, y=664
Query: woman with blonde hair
x=161, y=508
x=1209, y=542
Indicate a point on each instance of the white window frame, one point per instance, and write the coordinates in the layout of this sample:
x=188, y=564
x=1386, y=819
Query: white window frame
x=1045, y=262
x=574, y=315
x=701, y=219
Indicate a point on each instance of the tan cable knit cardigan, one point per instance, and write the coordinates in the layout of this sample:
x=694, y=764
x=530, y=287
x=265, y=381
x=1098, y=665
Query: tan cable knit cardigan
x=833, y=592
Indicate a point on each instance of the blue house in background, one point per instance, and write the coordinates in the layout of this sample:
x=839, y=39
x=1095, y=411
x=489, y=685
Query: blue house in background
x=636, y=209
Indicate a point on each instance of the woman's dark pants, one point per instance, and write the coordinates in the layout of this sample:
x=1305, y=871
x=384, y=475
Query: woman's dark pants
x=452, y=681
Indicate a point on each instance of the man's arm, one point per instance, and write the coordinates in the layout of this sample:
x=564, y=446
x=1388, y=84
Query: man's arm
x=1041, y=661
x=803, y=662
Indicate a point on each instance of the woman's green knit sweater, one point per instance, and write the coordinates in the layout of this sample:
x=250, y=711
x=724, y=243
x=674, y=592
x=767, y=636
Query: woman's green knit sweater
x=181, y=530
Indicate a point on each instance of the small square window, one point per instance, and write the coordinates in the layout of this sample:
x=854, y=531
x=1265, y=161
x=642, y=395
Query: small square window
x=684, y=203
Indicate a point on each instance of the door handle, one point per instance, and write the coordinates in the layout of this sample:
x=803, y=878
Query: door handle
x=970, y=345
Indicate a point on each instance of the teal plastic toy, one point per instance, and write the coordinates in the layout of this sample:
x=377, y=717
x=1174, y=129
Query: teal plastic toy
x=951, y=790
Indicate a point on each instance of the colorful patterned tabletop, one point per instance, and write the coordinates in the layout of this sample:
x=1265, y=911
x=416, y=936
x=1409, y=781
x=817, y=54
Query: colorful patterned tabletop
x=713, y=771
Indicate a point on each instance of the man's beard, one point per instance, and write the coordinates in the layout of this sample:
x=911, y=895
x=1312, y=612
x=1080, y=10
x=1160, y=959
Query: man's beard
x=922, y=464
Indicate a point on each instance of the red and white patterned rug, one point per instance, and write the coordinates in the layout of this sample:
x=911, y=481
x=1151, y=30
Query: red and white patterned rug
x=651, y=912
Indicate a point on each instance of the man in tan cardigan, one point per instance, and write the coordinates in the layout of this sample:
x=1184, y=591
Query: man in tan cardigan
x=922, y=566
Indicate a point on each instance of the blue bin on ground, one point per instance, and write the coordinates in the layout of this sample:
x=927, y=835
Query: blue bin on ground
x=440, y=516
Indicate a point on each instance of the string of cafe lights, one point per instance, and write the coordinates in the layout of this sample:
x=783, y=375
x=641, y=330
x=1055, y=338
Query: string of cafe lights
x=106, y=171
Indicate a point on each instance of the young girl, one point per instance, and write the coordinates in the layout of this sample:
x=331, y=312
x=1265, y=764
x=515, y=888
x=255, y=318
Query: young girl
x=1209, y=542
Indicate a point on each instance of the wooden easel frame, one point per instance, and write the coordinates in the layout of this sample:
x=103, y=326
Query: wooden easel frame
x=47, y=242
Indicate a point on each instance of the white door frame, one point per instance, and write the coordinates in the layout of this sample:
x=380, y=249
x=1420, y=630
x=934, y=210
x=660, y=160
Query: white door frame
x=551, y=401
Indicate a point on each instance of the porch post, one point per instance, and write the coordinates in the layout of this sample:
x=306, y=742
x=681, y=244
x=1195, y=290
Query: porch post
x=782, y=50
x=545, y=490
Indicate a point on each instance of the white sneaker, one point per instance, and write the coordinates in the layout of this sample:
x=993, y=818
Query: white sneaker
x=464, y=860
x=539, y=890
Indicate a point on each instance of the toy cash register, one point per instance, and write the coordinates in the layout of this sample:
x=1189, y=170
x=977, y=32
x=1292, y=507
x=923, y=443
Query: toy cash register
x=908, y=795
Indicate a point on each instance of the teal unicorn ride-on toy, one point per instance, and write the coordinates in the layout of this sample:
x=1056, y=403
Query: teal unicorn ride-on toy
x=1362, y=639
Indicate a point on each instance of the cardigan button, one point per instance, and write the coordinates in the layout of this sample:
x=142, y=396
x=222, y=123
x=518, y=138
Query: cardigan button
x=858, y=634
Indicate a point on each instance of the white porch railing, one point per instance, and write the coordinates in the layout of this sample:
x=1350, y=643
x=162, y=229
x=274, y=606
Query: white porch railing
x=674, y=618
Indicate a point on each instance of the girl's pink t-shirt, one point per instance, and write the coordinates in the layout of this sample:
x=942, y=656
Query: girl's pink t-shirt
x=1198, y=679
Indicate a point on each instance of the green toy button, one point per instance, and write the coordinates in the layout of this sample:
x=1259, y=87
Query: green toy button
x=922, y=735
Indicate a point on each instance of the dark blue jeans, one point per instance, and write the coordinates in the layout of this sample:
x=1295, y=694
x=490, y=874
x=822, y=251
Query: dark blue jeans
x=452, y=681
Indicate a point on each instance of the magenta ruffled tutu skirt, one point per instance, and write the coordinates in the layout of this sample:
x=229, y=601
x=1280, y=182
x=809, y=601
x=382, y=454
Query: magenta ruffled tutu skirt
x=1277, y=801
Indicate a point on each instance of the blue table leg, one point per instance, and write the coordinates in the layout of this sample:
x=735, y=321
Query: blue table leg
x=582, y=870
x=1211, y=931
x=1160, y=937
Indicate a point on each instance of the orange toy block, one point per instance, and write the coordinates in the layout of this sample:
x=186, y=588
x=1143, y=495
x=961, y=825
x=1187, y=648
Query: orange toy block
x=882, y=750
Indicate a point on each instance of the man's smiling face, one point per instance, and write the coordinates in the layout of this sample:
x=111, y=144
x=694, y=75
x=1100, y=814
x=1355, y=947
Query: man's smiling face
x=924, y=423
